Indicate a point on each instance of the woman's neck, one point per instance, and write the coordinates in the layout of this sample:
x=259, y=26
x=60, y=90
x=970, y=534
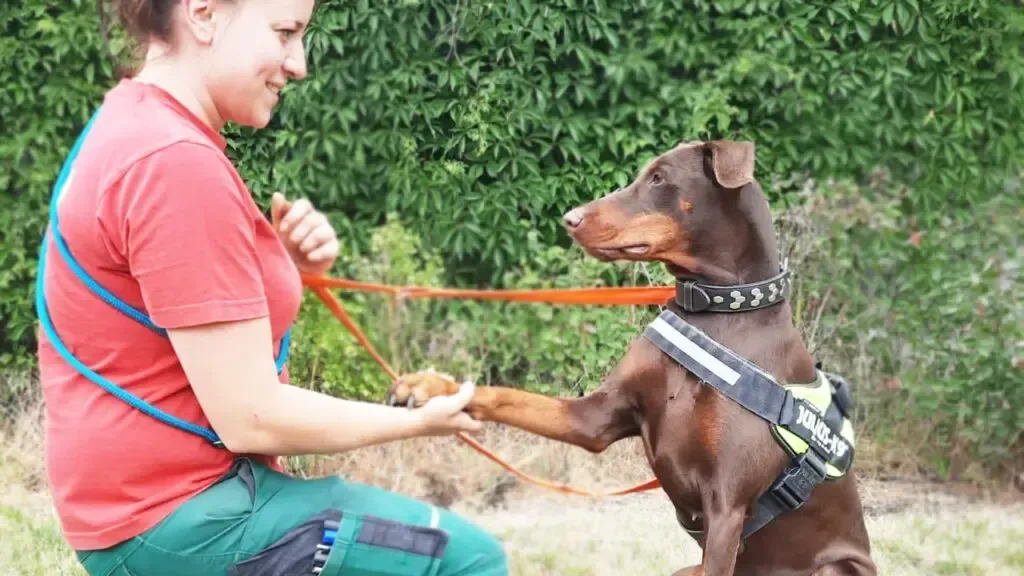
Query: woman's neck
x=167, y=72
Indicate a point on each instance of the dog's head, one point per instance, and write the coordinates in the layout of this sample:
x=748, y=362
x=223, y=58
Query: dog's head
x=692, y=208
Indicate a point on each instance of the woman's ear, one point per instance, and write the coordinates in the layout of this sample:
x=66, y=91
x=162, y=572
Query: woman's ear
x=201, y=19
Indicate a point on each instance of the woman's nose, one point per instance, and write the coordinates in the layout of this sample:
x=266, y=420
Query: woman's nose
x=295, y=66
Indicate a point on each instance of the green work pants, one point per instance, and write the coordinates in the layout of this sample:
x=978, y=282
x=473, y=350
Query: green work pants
x=257, y=521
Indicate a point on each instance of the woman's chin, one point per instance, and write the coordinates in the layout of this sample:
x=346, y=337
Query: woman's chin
x=258, y=117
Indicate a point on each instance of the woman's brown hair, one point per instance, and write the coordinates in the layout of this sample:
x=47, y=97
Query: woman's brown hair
x=141, y=19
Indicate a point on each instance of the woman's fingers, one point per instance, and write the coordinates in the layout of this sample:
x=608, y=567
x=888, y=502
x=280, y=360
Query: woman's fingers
x=465, y=423
x=310, y=220
x=306, y=232
x=298, y=213
x=327, y=251
x=320, y=235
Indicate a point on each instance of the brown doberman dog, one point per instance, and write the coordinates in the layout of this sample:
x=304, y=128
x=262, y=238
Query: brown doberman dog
x=707, y=427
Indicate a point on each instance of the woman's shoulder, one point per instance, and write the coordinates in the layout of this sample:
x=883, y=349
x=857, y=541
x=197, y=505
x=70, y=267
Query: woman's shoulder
x=142, y=125
x=143, y=142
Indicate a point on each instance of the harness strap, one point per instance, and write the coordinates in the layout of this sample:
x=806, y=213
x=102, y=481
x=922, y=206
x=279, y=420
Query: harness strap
x=720, y=367
x=757, y=391
x=47, y=324
x=790, y=491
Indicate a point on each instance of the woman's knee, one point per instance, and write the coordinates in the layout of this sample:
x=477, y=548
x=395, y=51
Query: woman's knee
x=471, y=550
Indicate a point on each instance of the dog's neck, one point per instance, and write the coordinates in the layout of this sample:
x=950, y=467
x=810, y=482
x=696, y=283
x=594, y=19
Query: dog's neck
x=742, y=251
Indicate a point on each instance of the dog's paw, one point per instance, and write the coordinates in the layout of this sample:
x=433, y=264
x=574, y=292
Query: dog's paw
x=417, y=388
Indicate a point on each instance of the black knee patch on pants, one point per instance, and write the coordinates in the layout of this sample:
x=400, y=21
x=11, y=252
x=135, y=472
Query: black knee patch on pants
x=405, y=537
x=293, y=553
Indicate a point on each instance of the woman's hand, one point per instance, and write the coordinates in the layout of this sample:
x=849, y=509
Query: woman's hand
x=443, y=415
x=306, y=233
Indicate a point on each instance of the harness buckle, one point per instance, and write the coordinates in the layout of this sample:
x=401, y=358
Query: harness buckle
x=794, y=487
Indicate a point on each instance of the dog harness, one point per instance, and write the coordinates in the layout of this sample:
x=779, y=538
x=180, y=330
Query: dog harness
x=809, y=421
x=116, y=303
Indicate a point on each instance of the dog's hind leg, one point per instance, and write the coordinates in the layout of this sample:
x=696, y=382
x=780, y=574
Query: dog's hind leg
x=592, y=422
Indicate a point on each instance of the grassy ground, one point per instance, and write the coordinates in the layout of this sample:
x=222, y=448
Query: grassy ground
x=914, y=530
x=916, y=527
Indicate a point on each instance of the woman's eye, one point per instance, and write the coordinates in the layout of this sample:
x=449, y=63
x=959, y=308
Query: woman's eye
x=286, y=34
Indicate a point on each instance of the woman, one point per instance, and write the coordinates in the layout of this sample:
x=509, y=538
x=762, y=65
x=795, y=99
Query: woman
x=202, y=291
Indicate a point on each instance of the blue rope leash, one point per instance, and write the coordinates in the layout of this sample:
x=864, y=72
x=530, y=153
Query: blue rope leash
x=104, y=294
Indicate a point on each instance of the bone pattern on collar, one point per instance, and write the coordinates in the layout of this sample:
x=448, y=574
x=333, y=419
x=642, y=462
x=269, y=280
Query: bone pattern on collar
x=694, y=296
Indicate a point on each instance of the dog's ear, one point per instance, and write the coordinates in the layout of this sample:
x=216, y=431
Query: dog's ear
x=732, y=163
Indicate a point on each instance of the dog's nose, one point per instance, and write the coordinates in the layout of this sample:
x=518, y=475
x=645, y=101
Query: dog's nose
x=573, y=217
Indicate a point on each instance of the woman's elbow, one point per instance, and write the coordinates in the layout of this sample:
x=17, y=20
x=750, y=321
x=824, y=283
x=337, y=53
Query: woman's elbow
x=237, y=394
x=243, y=431
x=238, y=442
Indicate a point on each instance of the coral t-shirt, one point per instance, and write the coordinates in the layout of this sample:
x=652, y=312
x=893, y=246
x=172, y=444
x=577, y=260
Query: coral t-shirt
x=156, y=213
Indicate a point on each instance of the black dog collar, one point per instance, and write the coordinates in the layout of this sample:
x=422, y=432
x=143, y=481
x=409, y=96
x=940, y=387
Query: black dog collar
x=696, y=297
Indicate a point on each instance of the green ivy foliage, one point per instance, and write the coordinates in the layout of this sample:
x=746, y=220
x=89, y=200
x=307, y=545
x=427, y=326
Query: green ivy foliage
x=54, y=74
x=470, y=118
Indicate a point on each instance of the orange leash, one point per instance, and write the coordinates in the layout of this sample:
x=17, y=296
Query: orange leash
x=639, y=296
x=612, y=296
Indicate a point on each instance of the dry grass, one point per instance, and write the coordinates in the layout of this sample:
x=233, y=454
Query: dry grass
x=448, y=471
x=30, y=539
x=23, y=439
x=443, y=470
x=916, y=529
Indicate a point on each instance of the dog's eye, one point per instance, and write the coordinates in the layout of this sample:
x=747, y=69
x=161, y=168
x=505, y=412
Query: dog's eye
x=656, y=179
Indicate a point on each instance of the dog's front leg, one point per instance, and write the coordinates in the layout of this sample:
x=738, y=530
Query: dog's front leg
x=724, y=529
x=592, y=422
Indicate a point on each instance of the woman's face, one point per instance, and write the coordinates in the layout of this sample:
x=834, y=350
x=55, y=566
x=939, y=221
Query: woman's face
x=254, y=48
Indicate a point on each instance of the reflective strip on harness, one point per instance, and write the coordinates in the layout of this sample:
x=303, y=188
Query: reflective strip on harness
x=698, y=354
x=703, y=357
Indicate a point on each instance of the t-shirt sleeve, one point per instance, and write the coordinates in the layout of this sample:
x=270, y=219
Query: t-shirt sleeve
x=186, y=229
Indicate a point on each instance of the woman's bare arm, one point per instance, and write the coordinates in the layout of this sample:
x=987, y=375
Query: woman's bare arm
x=231, y=369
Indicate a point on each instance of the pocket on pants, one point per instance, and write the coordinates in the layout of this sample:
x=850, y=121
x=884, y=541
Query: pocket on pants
x=293, y=553
x=366, y=545
x=205, y=527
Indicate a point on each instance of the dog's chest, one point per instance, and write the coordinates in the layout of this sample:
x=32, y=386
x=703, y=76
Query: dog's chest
x=673, y=456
